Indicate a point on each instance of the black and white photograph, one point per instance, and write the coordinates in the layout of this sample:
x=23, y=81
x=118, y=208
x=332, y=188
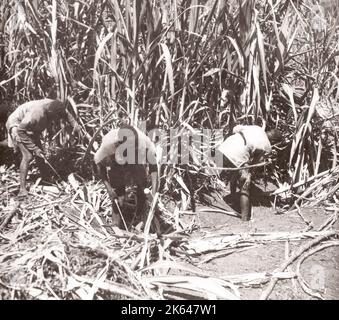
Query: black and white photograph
x=169, y=150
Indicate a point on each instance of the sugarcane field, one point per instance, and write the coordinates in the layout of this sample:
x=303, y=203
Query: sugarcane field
x=169, y=150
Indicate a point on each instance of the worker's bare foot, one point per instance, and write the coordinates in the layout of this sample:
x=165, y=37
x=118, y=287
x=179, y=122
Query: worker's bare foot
x=245, y=216
x=22, y=194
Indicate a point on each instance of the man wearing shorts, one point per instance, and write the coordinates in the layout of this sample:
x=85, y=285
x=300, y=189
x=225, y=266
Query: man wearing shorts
x=122, y=159
x=24, y=127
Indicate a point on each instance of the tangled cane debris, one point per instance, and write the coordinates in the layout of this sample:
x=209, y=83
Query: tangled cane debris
x=59, y=244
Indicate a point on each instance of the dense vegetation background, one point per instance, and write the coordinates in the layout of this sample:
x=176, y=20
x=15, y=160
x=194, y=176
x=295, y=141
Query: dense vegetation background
x=183, y=64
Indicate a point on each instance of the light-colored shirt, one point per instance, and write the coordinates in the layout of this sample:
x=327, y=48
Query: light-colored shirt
x=33, y=115
x=127, y=145
x=245, y=143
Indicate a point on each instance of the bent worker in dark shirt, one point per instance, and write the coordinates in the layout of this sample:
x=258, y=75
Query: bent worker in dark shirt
x=122, y=159
x=24, y=127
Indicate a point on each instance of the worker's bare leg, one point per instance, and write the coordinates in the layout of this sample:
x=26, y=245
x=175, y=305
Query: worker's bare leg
x=24, y=165
x=233, y=187
x=43, y=168
x=233, y=179
x=117, y=207
x=245, y=201
x=141, y=199
x=116, y=219
x=4, y=143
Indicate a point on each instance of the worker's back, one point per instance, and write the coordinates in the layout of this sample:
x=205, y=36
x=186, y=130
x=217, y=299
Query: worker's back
x=34, y=114
x=245, y=141
x=127, y=144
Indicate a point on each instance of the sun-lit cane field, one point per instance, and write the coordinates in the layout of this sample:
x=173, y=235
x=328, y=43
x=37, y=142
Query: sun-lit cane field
x=189, y=66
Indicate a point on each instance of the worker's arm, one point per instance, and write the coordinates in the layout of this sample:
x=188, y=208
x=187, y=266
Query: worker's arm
x=76, y=128
x=257, y=157
x=260, y=153
x=154, y=179
x=102, y=172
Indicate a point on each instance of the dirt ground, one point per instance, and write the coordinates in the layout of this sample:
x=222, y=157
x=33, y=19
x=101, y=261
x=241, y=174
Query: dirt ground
x=320, y=270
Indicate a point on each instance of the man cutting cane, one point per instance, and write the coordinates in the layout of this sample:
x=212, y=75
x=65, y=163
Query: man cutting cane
x=24, y=127
x=247, y=146
x=126, y=156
